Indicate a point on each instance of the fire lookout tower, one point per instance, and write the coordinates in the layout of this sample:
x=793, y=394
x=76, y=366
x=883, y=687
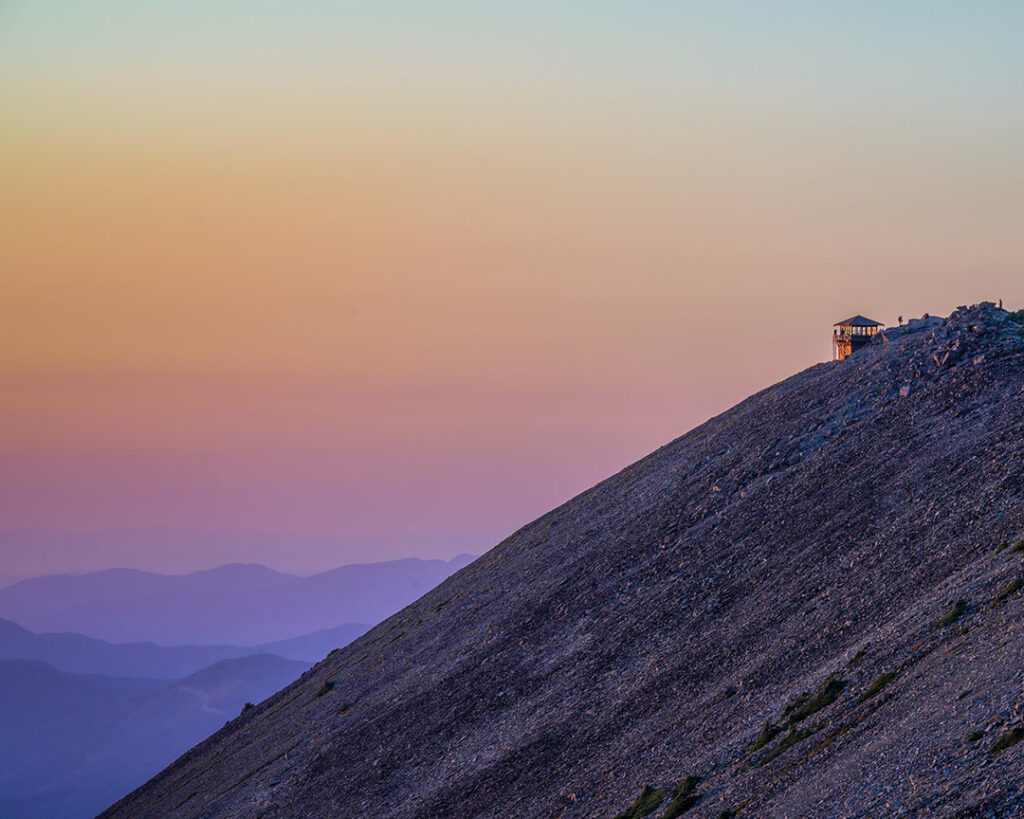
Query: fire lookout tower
x=853, y=333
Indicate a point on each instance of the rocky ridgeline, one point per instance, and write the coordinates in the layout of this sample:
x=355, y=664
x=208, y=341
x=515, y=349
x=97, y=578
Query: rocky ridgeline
x=809, y=606
x=963, y=337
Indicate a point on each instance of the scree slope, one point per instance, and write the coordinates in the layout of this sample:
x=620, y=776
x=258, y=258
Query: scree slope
x=808, y=606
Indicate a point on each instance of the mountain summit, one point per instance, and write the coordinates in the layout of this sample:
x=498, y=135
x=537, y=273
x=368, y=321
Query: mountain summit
x=808, y=606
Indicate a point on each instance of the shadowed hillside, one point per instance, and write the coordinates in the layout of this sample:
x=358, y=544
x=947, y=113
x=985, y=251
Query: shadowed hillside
x=73, y=742
x=808, y=606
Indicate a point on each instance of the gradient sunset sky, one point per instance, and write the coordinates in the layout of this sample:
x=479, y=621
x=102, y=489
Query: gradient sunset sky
x=409, y=274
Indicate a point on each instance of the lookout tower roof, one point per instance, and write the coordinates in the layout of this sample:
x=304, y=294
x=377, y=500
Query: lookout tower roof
x=858, y=321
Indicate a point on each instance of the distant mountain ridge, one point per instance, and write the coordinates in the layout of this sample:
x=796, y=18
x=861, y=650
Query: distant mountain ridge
x=235, y=604
x=84, y=720
x=79, y=654
x=35, y=551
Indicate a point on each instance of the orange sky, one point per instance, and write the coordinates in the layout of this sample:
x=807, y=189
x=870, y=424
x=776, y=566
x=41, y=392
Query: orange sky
x=444, y=283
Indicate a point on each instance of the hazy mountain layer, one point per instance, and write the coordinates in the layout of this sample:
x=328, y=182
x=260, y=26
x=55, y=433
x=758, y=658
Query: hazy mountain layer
x=34, y=551
x=238, y=604
x=87, y=655
x=809, y=606
x=72, y=743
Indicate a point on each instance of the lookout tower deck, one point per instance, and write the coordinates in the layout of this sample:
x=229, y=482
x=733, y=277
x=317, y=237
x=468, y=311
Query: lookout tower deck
x=852, y=334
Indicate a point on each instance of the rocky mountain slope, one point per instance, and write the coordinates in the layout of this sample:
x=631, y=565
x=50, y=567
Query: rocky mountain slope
x=808, y=606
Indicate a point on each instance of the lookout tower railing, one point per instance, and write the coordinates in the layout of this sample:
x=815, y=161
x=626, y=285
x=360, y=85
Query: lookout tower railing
x=851, y=334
